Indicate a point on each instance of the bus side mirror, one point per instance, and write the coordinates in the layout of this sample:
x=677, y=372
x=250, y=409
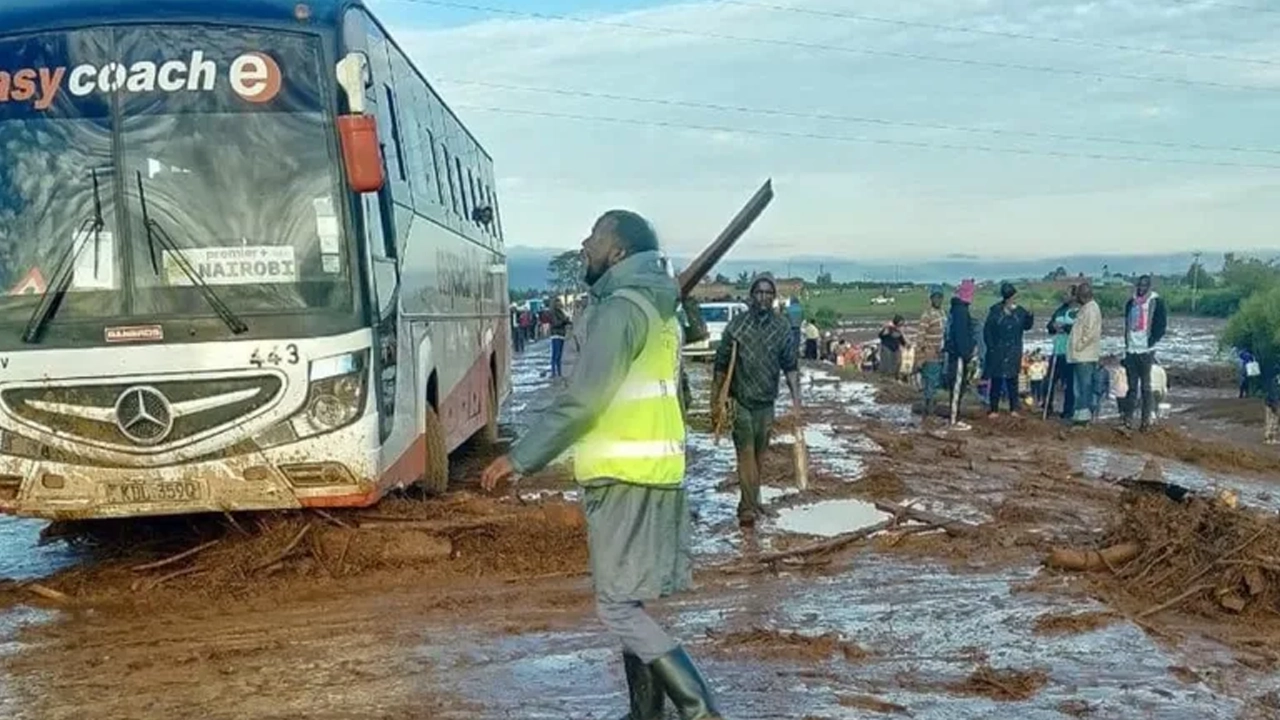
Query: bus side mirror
x=361, y=152
x=358, y=132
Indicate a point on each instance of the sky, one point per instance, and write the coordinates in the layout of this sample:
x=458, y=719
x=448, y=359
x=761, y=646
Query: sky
x=1128, y=126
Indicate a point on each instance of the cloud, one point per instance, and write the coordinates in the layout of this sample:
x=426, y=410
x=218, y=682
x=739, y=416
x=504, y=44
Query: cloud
x=877, y=192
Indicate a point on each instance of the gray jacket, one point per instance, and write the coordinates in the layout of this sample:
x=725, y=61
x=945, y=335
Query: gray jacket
x=613, y=332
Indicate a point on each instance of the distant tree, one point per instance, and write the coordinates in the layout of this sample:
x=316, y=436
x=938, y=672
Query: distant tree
x=744, y=279
x=722, y=279
x=1254, y=326
x=1197, y=276
x=824, y=280
x=1249, y=275
x=1058, y=274
x=567, y=272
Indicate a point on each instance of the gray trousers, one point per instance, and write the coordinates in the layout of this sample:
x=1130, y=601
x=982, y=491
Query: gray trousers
x=639, y=634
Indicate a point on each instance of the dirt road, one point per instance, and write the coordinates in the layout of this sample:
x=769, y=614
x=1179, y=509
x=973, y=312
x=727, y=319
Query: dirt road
x=474, y=607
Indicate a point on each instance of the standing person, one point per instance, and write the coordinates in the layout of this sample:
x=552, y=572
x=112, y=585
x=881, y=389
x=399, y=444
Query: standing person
x=795, y=314
x=765, y=351
x=517, y=334
x=961, y=346
x=811, y=336
x=891, y=343
x=930, y=336
x=623, y=418
x=1037, y=373
x=1061, y=374
x=1248, y=369
x=1003, y=331
x=526, y=325
x=1271, y=391
x=1144, y=326
x=560, y=327
x=1084, y=350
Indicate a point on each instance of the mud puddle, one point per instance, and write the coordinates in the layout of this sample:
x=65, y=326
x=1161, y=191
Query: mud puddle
x=829, y=518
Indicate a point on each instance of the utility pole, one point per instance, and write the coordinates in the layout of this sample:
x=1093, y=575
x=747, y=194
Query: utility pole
x=1195, y=279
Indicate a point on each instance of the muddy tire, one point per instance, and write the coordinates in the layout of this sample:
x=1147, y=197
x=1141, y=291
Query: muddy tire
x=489, y=436
x=435, y=476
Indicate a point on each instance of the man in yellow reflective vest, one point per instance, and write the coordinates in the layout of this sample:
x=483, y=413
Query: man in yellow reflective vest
x=621, y=412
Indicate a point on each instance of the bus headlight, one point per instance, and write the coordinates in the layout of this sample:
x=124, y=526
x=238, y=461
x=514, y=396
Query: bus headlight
x=336, y=395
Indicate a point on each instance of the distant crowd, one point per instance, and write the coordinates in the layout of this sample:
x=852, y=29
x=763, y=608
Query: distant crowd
x=952, y=352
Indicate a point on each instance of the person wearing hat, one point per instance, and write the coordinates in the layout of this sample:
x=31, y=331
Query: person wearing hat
x=961, y=346
x=1003, y=332
x=764, y=353
x=930, y=336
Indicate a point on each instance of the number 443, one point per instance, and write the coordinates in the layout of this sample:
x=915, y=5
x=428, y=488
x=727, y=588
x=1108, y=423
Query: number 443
x=274, y=356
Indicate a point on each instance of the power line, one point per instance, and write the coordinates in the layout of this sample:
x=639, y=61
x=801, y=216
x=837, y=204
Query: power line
x=860, y=139
x=837, y=48
x=1229, y=6
x=861, y=119
x=995, y=33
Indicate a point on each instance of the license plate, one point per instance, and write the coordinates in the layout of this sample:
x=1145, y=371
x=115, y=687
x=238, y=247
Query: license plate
x=137, y=493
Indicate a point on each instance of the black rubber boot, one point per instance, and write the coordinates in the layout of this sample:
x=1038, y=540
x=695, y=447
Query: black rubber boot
x=648, y=696
x=685, y=686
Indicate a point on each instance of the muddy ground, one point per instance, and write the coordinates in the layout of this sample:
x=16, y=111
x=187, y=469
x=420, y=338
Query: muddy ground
x=471, y=606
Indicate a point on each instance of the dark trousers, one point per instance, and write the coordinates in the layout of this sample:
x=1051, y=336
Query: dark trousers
x=811, y=349
x=751, y=427
x=1064, y=376
x=517, y=339
x=557, y=357
x=1004, y=387
x=1137, y=367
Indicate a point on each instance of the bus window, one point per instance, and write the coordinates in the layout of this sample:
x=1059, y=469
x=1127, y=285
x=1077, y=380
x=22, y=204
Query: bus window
x=462, y=189
x=396, y=138
x=475, y=202
x=453, y=188
x=435, y=164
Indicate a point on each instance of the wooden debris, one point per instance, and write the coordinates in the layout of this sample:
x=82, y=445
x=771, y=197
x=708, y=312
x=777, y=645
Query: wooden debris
x=954, y=528
x=818, y=548
x=1173, y=601
x=48, y=593
x=175, y=558
x=1105, y=559
x=288, y=550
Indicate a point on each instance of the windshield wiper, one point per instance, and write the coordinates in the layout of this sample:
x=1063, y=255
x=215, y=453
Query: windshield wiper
x=64, y=268
x=154, y=232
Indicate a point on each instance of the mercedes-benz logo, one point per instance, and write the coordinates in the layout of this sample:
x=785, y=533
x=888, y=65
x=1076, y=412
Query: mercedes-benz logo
x=144, y=415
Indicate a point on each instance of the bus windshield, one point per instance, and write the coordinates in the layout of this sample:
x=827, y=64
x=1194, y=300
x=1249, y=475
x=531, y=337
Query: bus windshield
x=220, y=136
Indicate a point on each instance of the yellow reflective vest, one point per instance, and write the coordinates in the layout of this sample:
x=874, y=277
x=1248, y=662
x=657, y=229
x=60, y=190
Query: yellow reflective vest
x=640, y=436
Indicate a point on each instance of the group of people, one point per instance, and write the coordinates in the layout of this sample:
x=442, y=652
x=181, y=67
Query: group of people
x=554, y=322
x=952, y=346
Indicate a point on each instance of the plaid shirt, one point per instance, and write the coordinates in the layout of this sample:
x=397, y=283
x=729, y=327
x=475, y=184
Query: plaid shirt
x=765, y=351
x=930, y=336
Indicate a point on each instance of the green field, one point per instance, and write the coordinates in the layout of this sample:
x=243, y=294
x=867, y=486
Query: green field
x=855, y=304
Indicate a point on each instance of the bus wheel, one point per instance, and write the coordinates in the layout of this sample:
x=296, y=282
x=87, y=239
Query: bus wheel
x=491, y=423
x=435, y=476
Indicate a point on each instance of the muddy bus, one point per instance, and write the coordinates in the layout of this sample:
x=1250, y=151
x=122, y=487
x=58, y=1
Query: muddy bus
x=249, y=260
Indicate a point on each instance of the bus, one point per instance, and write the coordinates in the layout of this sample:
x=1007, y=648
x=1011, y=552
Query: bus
x=249, y=260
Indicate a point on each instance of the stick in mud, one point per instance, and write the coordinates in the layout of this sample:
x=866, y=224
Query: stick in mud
x=175, y=558
x=954, y=528
x=823, y=546
x=288, y=550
